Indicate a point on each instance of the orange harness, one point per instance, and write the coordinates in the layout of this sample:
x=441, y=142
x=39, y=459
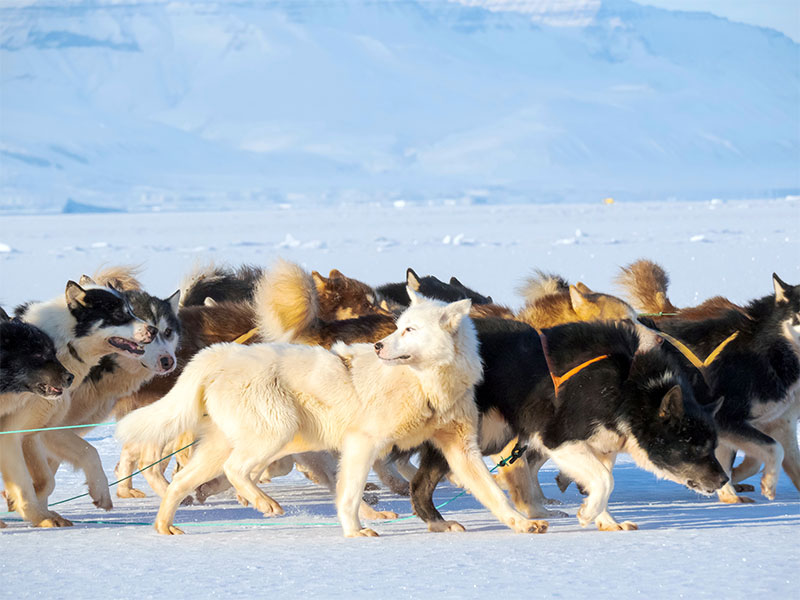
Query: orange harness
x=559, y=380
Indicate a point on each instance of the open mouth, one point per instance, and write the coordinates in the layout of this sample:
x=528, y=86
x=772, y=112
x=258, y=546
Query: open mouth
x=48, y=391
x=126, y=345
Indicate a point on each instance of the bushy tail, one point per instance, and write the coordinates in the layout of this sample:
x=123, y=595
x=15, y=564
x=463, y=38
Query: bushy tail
x=542, y=284
x=286, y=303
x=646, y=283
x=178, y=412
x=122, y=278
x=220, y=283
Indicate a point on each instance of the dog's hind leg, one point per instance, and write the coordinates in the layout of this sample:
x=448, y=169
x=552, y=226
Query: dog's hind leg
x=522, y=479
x=432, y=468
x=357, y=455
x=457, y=443
x=404, y=466
x=206, y=463
x=73, y=449
x=239, y=467
x=745, y=469
x=759, y=445
x=128, y=459
x=784, y=430
x=42, y=476
x=390, y=476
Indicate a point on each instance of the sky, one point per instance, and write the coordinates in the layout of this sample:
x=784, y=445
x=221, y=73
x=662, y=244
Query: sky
x=783, y=15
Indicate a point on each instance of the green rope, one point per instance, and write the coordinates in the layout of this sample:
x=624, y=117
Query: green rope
x=54, y=428
x=658, y=314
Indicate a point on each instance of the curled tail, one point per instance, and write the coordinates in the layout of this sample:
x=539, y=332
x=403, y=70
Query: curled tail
x=542, y=284
x=177, y=412
x=286, y=303
x=646, y=285
x=220, y=283
x=120, y=277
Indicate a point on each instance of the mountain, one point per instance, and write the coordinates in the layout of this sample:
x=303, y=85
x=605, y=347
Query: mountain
x=156, y=103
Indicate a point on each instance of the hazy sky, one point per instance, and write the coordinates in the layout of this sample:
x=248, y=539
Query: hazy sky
x=783, y=15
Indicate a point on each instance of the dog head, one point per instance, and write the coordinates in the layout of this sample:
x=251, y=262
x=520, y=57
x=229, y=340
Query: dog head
x=431, y=287
x=594, y=306
x=675, y=437
x=159, y=354
x=341, y=297
x=787, y=301
x=427, y=332
x=28, y=361
x=105, y=313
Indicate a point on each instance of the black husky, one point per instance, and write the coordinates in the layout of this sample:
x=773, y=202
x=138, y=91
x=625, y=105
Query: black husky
x=430, y=287
x=623, y=402
x=28, y=363
x=757, y=373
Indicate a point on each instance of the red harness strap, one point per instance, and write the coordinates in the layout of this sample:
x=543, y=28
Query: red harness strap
x=559, y=380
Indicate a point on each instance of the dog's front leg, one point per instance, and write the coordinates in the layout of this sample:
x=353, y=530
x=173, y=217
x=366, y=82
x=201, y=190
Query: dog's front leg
x=458, y=443
x=432, y=467
x=358, y=454
x=42, y=475
x=73, y=449
x=19, y=486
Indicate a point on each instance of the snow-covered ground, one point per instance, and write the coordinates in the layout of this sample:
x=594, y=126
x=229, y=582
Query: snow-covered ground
x=687, y=545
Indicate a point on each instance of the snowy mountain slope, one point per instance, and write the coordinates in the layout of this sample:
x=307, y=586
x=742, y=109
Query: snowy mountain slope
x=170, y=104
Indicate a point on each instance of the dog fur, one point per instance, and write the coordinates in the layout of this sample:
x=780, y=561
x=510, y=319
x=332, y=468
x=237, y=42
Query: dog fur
x=414, y=385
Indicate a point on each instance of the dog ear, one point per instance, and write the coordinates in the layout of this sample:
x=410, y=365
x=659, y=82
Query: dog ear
x=583, y=288
x=335, y=274
x=577, y=298
x=781, y=289
x=413, y=296
x=454, y=313
x=489, y=300
x=713, y=408
x=672, y=404
x=75, y=295
x=412, y=280
x=456, y=283
x=175, y=301
x=86, y=280
x=319, y=280
x=4, y=315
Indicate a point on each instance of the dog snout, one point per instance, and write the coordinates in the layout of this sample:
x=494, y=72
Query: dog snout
x=167, y=362
x=378, y=347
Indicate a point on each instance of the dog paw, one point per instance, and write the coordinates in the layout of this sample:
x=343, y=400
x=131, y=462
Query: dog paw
x=165, y=529
x=614, y=526
x=529, y=526
x=552, y=501
x=268, y=508
x=371, y=487
x=734, y=499
x=384, y=514
x=54, y=520
x=744, y=487
x=130, y=493
x=371, y=499
x=442, y=526
x=3, y=525
x=768, y=486
x=365, y=532
x=103, y=501
x=242, y=500
x=401, y=488
x=188, y=501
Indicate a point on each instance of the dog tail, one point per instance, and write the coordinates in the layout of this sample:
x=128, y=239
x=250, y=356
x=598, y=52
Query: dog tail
x=542, y=284
x=286, y=303
x=120, y=277
x=646, y=283
x=221, y=284
x=179, y=411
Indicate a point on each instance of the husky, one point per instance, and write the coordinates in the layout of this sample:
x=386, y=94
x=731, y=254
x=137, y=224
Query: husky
x=625, y=400
x=85, y=324
x=341, y=297
x=430, y=287
x=757, y=371
x=220, y=284
x=251, y=405
x=114, y=377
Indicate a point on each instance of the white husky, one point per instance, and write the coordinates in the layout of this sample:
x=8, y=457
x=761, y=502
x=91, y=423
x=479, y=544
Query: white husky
x=251, y=405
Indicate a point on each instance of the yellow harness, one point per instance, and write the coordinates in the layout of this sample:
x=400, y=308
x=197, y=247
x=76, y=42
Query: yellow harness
x=701, y=365
x=246, y=336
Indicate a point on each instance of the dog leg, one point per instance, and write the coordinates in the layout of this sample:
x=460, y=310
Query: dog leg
x=758, y=445
x=154, y=475
x=73, y=449
x=578, y=461
x=19, y=487
x=279, y=468
x=784, y=430
x=524, y=488
x=128, y=459
x=404, y=466
x=206, y=463
x=238, y=469
x=432, y=468
x=745, y=469
x=358, y=453
x=391, y=478
x=727, y=493
x=42, y=476
x=459, y=445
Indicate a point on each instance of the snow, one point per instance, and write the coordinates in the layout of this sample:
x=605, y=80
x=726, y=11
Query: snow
x=688, y=545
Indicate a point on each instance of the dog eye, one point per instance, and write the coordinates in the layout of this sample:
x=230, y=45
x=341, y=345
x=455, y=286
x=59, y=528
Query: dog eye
x=408, y=329
x=168, y=332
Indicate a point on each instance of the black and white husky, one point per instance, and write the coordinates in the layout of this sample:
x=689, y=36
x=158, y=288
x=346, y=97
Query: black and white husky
x=85, y=324
x=627, y=401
